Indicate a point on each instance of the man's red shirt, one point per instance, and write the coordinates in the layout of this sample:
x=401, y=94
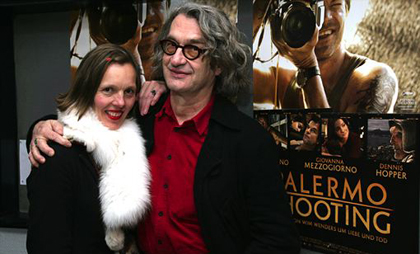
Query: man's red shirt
x=172, y=225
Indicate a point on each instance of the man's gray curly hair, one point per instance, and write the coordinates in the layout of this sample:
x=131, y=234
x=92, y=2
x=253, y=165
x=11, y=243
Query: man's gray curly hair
x=225, y=48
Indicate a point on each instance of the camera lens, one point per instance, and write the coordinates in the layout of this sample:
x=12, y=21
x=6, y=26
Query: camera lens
x=119, y=23
x=298, y=25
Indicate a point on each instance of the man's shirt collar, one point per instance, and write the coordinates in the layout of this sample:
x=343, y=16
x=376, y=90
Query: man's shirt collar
x=200, y=121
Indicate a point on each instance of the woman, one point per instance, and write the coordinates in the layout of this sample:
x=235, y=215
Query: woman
x=341, y=141
x=102, y=180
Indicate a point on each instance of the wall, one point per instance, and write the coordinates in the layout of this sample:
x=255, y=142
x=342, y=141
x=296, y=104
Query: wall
x=41, y=44
x=42, y=61
x=12, y=241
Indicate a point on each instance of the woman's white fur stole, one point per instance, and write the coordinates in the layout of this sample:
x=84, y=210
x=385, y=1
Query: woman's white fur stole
x=124, y=169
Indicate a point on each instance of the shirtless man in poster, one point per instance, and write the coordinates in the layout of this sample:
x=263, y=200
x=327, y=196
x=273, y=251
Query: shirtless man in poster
x=347, y=82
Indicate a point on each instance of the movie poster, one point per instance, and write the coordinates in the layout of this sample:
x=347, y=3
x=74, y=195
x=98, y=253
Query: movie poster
x=134, y=25
x=377, y=72
x=351, y=179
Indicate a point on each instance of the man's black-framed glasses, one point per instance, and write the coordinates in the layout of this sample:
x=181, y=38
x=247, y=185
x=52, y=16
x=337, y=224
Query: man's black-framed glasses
x=191, y=52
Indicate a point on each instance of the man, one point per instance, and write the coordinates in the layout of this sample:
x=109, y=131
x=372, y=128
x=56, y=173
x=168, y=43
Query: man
x=216, y=181
x=327, y=76
x=310, y=139
x=278, y=138
x=403, y=139
x=147, y=31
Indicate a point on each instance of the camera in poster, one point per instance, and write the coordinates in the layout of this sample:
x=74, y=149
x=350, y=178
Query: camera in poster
x=135, y=25
x=366, y=57
x=351, y=179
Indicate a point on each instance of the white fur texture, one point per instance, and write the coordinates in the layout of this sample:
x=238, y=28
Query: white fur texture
x=124, y=175
x=114, y=238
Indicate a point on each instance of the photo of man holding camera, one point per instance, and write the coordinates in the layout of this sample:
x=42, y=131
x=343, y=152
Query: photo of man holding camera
x=310, y=35
x=134, y=25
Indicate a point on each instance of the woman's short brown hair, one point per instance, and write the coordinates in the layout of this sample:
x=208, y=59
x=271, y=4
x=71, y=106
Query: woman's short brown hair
x=89, y=75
